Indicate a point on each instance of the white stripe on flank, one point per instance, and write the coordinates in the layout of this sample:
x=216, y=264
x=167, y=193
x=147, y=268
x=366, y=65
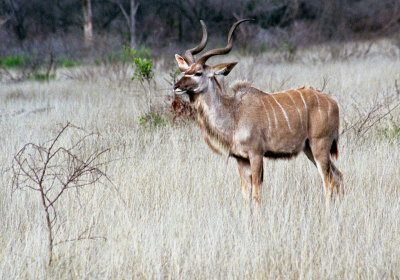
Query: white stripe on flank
x=297, y=108
x=269, y=120
x=319, y=105
x=305, y=106
x=273, y=110
x=284, y=112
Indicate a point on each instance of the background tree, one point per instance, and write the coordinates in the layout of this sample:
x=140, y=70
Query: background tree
x=88, y=25
x=58, y=23
x=130, y=18
x=18, y=10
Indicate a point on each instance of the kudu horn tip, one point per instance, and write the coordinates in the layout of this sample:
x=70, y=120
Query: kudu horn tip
x=248, y=19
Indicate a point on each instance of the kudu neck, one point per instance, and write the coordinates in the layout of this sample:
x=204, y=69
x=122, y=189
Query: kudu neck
x=215, y=109
x=216, y=100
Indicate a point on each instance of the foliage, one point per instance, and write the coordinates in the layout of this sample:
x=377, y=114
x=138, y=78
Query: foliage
x=35, y=24
x=42, y=77
x=143, y=70
x=152, y=119
x=28, y=66
x=391, y=130
x=163, y=18
x=15, y=61
x=65, y=62
x=289, y=49
x=125, y=55
x=130, y=53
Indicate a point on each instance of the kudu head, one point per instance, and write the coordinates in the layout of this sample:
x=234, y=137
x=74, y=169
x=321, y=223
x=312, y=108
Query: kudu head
x=197, y=75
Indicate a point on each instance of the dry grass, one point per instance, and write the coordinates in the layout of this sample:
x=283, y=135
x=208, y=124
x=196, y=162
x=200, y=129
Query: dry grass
x=176, y=211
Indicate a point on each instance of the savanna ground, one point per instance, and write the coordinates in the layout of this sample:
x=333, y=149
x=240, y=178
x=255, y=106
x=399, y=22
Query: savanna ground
x=174, y=209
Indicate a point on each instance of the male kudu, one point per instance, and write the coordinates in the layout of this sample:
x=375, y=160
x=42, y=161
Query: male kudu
x=254, y=124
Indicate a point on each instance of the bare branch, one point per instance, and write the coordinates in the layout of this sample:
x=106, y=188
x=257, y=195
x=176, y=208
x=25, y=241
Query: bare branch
x=370, y=117
x=4, y=21
x=51, y=169
x=81, y=239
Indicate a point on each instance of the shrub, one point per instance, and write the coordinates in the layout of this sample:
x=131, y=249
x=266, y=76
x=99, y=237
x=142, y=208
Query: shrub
x=289, y=49
x=15, y=61
x=42, y=77
x=126, y=55
x=67, y=63
x=152, y=119
x=143, y=69
x=129, y=54
x=144, y=72
x=52, y=169
x=181, y=109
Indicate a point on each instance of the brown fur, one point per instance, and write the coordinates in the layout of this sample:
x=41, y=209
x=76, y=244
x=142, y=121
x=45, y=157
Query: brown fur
x=241, y=86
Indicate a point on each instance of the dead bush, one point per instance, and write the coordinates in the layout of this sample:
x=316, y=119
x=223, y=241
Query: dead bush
x=53, y=168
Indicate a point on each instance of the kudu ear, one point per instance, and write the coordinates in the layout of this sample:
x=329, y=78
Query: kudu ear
x=182, y=64
x=224, y=68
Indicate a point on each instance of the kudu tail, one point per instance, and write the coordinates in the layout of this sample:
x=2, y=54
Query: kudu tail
x=334, y=148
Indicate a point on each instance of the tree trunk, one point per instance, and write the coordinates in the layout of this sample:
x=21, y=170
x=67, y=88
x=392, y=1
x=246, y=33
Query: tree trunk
x=134, y=8
x=130, y=20
x=88, y=26
x=19, y=16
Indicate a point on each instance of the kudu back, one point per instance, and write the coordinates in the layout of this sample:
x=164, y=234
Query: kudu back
x=253, y=124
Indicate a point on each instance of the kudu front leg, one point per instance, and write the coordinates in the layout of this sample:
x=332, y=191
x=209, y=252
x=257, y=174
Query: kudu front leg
x=256, y=162
x=245, y=179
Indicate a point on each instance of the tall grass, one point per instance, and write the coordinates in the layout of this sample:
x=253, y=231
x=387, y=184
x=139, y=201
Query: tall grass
x=175, y=209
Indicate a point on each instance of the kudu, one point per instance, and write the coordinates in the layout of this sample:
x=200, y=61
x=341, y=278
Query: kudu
x=254, y=124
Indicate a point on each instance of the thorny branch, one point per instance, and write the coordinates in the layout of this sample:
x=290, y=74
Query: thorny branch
x=52, y=168
x=380, y=109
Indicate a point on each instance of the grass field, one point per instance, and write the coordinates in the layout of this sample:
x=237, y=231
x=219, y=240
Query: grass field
x=174, y=209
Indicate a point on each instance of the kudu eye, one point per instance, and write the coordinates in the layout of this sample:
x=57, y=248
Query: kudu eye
x=198, y=74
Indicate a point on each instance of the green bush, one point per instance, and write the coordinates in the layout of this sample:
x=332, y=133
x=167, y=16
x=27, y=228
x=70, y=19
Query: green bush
x=126, y=55
x=42, y=77
x=152, y=119
x=289, y=48
x=129, y=54
x=143, y=70
x=391, y=130
x=65, y=62
x=111, y=58
x=15, y=61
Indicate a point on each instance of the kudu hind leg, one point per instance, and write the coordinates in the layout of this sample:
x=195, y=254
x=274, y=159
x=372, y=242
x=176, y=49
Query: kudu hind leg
x=324, y=170
x=337, y=180
x=331, y=176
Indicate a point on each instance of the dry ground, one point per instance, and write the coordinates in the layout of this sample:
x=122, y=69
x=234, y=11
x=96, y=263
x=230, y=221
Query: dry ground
x=175, y=209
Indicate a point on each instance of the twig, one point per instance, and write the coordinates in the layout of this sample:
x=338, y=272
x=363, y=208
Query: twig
x=51, y=170
x=379, y=111
x=81, y=239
